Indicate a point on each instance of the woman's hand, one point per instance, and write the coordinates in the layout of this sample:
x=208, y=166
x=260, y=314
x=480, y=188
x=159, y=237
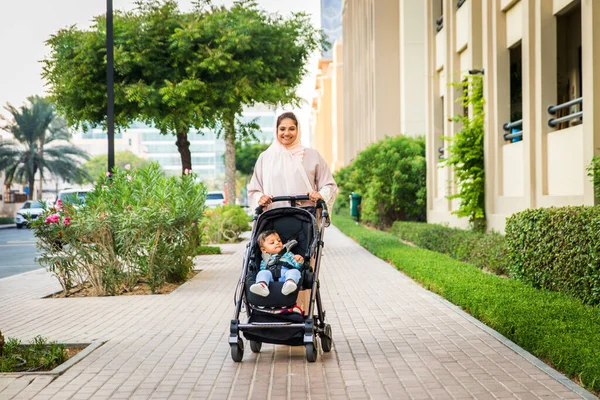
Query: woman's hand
x=265, y=200
x=314, y=196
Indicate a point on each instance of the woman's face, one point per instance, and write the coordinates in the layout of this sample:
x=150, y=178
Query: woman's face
x=287, y=131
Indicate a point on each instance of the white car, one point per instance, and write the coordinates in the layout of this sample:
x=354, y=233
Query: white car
x=31, y=208
x=73, y=196
x=214, y=199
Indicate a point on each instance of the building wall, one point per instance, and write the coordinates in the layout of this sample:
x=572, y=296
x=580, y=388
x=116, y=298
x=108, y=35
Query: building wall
x=547, y=167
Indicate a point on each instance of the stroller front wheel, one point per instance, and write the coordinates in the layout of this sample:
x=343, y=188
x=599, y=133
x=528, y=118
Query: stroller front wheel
x=237, y=350
x=255, y=346
x=311, y=352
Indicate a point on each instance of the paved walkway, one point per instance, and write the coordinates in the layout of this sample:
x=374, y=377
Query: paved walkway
x=392, y=339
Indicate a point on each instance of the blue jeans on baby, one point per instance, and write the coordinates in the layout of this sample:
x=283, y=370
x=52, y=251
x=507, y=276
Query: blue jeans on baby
x=265, y=275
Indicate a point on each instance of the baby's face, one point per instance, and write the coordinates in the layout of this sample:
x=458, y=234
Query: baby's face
x=272, y=244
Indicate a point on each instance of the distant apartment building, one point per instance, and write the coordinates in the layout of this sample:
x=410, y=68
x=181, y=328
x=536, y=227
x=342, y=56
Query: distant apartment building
x=207, y=149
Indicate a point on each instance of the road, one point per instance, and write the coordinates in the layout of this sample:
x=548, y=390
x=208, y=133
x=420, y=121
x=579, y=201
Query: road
x=17, y=252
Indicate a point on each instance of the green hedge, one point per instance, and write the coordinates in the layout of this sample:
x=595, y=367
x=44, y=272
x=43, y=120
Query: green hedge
x=554, y=327
x=391, y=177
x=557, y=249
x=208, y=250
x=484, y=250
x=7, y=220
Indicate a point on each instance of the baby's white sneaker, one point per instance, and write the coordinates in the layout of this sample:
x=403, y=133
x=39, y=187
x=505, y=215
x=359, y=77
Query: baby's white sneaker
x=260, y=288
x=289, y=287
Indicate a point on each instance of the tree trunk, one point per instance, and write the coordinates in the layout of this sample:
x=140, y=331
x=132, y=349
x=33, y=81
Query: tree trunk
x=183, y=145
x=1, y=344
x=230, y=159
x=31, y=185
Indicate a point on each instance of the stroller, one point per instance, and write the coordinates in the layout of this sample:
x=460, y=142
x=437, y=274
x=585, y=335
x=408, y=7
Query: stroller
x=271, y=319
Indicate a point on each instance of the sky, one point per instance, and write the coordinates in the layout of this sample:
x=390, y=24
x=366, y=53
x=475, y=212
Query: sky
x=27, y=24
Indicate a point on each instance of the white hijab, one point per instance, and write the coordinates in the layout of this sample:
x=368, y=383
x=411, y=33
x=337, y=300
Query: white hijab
x=283, y=171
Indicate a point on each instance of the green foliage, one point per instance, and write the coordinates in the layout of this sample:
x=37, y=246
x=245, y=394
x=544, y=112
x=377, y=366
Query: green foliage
x=37, y=355
x=484, y=250
x=224, y=224
x=391, y=177
x=97, y=166
x=246, y=154
x=208, y=250
x=593, y=171
x=465, y=154
x=136, y=226
x=6, y=220
x=552, y=326
x=557, y=249
x=35, y=129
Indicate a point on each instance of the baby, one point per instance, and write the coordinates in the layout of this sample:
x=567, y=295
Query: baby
x=278, y=263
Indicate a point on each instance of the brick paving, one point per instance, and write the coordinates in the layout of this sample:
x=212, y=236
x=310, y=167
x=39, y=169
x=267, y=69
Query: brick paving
x=392, y=339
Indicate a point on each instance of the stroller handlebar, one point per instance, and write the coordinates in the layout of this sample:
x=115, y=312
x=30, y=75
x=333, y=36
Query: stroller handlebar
x=293, y=199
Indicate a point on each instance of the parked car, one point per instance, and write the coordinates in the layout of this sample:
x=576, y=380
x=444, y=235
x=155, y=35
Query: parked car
x=73, y=196
x=214, y=199
x=30, y=209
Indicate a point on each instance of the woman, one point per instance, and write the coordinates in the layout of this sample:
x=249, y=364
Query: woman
x=287, y=168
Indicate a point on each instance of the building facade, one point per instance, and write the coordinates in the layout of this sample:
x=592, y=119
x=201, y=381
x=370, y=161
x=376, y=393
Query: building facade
x=400, y=58
x=540, y=131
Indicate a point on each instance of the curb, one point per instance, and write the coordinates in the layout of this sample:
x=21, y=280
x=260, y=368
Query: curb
x=10, y=226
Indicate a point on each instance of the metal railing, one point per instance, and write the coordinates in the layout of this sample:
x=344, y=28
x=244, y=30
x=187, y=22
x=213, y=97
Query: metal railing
x=439, y=23
x=553, y=110
x=441, y=153
x=460, y=3
x=509, y=127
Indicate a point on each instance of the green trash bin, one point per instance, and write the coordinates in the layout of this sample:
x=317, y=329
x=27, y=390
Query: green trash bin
x=355, y=199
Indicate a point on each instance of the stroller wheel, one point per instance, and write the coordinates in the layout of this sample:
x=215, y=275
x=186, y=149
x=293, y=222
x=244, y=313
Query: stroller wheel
x=326, y=339
x=311, y=352
x=255, y=346
x=237, y=350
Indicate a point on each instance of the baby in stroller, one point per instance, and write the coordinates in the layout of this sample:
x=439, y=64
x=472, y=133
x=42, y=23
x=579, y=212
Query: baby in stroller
x=278, y=264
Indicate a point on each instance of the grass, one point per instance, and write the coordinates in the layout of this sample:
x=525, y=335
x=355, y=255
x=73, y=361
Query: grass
x=37, y=355
x=554, y=327
x=204, y=250
x=6, y=220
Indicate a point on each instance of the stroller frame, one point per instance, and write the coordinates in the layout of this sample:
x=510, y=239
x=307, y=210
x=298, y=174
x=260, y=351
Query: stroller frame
x=314, y=322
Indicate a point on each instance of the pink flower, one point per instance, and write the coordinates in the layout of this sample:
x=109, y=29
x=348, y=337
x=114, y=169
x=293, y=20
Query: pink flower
x=52, y=219
x=108, y=173
x=58, y=204
x=128, y=167
x=128, y=177
x=67, y=221
x=185, y=171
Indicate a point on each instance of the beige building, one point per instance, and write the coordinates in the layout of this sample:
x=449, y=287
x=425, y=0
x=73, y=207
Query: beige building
x=536, y=63
x=374, y=86
x=536, y=59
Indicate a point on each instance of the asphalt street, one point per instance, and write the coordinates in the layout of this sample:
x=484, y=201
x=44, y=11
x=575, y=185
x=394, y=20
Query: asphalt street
x=17, y=252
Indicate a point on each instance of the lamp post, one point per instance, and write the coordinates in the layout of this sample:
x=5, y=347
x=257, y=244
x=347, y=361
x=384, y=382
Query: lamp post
x=110, y=85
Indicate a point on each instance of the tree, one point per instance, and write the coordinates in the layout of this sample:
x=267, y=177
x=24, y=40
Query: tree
x=246, y=155
x=37, y=133
x=247, y=56
x=153, y=81
x=98, y=165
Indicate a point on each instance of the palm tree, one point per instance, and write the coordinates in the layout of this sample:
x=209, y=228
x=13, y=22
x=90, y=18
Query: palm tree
x=35, y=127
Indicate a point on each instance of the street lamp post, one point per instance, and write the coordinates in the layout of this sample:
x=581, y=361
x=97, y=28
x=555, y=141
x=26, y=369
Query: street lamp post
x=110, y=85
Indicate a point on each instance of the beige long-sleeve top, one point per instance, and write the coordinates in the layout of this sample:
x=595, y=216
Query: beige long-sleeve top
x=316, y=168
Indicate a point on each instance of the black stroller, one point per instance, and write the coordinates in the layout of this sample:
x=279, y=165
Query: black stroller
x=270, y=319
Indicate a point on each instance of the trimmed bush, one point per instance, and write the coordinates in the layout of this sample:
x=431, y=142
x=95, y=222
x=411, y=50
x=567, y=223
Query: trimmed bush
x=484, y=250
x=224, y=224
x=208, y=250
x=552, y=326
x=391, y=177
x=557, y=249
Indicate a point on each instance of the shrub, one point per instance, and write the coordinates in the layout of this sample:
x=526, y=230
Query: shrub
x=6, y=220
x=557, y=249
x=484, y=250
x=553, y=326
x=207, y=250
x=39, y=354
x=391, y=177
x=136, y=226
x=224, y=224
